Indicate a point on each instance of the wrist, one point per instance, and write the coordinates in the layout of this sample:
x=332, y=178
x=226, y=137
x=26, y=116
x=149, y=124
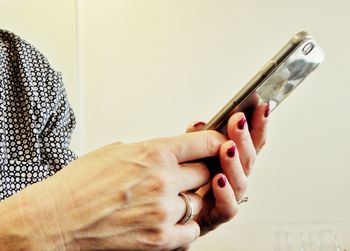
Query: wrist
x=14, y=231
x=44, y=218
x=28, y=221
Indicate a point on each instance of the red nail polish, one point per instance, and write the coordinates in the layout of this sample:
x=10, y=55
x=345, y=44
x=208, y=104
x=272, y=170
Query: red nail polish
x=267, y=111
x=222, y=181
x=231, y=152
x=242, y=123
x=199, y=124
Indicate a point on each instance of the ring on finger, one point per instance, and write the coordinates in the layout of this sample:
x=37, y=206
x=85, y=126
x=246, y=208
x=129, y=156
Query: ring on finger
x=189, y=209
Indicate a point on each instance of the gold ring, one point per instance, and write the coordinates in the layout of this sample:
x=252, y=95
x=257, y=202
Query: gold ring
x=189, y=209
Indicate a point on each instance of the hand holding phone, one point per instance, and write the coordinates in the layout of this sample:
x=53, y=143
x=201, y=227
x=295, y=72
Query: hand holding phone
x=272, y=84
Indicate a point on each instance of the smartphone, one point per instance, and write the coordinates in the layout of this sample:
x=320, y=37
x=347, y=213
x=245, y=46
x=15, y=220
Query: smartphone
x=275, y=81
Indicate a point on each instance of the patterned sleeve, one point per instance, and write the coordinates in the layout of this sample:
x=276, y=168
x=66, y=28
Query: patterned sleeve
x=36, y=120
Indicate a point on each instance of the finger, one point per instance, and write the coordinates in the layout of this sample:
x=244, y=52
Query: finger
x=180, y=207
x=225, y=201
x=258, y=129
x=183, y=235
x=232, y=168
x=194, y=127
x=196, y=145
x=238, y=131
x=202, y=191
x=191, y=176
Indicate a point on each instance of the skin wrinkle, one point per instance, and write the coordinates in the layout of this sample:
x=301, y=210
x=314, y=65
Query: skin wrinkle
x=124, y=226
x=119, y=207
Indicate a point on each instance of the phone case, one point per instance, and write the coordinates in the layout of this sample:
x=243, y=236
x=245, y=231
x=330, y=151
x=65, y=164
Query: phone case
x=275, y=81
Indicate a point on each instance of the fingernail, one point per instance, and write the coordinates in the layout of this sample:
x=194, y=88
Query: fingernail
x=267, y=111
x=222, y=181
x=199, y=124
x=242, y=123
x=231, y=151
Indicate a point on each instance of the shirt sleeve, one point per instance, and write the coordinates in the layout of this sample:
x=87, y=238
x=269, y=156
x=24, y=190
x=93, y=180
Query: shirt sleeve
x=36, y=119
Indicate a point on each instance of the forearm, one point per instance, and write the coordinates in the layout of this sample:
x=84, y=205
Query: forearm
x=28, y=221
x=15, y=233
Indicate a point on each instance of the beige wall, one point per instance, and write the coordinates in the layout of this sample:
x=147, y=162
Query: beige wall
x=150, y=67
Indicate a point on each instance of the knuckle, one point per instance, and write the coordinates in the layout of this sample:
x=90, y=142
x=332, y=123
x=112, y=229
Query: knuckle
x=261, y=145
x=156, y=183
x=160, y=213
x=212, y=145
x=241, y=187
x=204, y=171
x=155, y=239
x=151, y=152
x=151, y=215
x=152, y=186
x=249, y=162
x=259, y=128
x=161, y=239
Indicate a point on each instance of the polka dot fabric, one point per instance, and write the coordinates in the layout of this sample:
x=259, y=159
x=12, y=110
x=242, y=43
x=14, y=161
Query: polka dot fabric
x=36, y=120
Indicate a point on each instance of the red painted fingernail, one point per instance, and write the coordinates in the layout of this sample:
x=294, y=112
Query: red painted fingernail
x=267, y=111
x=199, y=124
x=242, y=123
x=231, y=152
x=222, y=181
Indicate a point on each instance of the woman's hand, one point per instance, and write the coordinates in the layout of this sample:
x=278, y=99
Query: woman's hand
x=122, y=196
x=237, y=157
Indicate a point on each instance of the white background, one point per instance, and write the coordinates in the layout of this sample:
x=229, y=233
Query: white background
x=136, y=69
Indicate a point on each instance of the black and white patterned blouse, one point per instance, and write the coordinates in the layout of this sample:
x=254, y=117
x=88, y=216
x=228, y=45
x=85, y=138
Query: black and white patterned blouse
x=36, y=120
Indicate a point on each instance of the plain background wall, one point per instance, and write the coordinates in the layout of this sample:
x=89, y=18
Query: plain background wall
x=147, y=68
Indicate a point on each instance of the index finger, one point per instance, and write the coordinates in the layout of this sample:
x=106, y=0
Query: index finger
x=258, y=130
x=196, y=145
